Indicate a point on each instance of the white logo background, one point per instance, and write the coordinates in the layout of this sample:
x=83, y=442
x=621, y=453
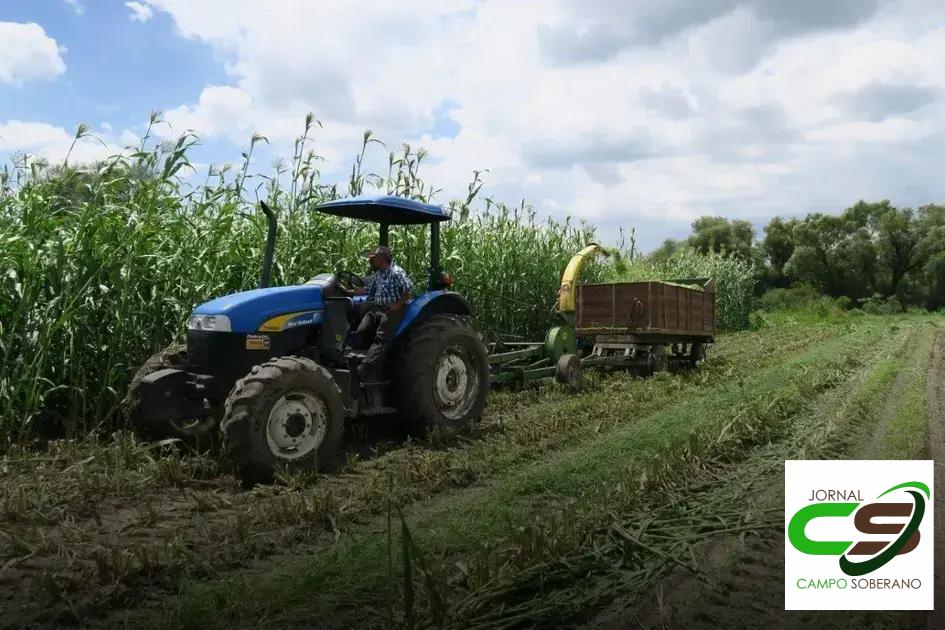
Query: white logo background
x=870, y=478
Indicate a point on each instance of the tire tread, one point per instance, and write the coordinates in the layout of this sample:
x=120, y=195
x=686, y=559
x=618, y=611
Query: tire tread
x=240, y=411
x=416, y=361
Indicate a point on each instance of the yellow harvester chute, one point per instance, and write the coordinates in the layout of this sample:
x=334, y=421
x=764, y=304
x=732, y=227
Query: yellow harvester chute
x=572, y=273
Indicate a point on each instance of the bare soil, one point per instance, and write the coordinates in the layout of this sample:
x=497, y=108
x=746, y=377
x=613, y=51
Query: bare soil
x=935, y=444
x=94, y=544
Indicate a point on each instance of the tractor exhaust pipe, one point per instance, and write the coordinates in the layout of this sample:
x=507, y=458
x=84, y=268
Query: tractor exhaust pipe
x=270, y=245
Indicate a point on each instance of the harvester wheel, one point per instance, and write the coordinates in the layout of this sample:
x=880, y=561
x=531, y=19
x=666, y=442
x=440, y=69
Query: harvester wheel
x=443, y=374
x=568, y=372
x=196, y=433
x=286, y=414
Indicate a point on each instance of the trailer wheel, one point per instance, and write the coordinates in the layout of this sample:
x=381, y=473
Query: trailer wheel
x=697, y=354
x=285, y=414
x=195, y=433
x=443, y=374
x=568, y=372
x=659, y=359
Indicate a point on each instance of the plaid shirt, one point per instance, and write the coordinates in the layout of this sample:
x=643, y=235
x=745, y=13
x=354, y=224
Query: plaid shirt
x=388, y=286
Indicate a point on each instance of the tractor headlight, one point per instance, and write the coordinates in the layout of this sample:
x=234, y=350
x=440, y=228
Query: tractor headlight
x=218, y=323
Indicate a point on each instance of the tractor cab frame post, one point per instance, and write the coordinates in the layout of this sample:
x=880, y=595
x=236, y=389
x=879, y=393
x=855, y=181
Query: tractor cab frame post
x=436, y=271
x=384, y=237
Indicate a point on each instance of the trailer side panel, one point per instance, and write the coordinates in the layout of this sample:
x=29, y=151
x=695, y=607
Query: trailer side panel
x=647, y=308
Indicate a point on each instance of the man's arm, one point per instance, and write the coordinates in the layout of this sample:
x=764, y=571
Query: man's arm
x=350, y=292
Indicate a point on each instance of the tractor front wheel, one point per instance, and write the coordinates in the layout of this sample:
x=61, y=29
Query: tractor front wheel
x=444, y=374
x=286, y=414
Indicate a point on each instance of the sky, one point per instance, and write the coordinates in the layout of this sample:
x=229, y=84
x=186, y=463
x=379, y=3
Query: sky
x=632, y=113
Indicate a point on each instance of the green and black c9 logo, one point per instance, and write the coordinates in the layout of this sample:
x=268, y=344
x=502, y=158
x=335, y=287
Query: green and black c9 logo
x=881, y=551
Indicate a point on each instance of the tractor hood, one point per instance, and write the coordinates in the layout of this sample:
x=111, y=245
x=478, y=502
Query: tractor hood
x=270, y=310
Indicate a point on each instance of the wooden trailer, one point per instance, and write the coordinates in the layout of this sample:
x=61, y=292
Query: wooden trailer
x=648, y=326
x=653, y=325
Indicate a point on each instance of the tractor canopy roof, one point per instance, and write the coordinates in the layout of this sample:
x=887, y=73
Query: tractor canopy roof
x=385, y=209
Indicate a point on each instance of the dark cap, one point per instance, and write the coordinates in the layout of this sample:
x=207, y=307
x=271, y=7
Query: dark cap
x=380, y=250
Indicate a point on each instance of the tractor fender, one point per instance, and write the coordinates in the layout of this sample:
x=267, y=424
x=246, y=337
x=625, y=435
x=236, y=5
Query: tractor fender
x=432, y=303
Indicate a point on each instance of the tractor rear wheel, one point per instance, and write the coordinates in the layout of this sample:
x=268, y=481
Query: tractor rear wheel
x=286, y=414
x=196, y=433
x=443, y=374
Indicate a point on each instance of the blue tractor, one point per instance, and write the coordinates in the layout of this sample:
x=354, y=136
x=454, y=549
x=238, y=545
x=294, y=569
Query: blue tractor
x=274, y=369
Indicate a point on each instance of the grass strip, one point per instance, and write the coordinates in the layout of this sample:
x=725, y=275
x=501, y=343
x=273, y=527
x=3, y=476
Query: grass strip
x=905, y=432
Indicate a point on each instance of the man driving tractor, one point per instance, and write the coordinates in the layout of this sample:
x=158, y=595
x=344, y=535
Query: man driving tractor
x=388, y=290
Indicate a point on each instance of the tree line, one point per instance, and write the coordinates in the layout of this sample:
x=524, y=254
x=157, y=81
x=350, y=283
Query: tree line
x=869, y=250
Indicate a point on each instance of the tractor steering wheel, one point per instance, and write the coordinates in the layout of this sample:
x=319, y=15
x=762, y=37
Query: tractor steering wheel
x=349, y=280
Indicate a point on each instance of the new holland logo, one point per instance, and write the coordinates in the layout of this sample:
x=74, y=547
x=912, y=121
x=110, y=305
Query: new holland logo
x=858, y=535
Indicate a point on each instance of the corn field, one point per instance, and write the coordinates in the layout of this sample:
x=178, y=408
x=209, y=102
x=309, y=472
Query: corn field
x=100, y=265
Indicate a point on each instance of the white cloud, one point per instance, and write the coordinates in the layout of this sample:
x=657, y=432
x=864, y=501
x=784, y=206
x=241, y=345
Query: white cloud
x=16, y=135
x=27, y=53
x=221, y=110
x=140, y=12
x=53, y=143
x=742, y=108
